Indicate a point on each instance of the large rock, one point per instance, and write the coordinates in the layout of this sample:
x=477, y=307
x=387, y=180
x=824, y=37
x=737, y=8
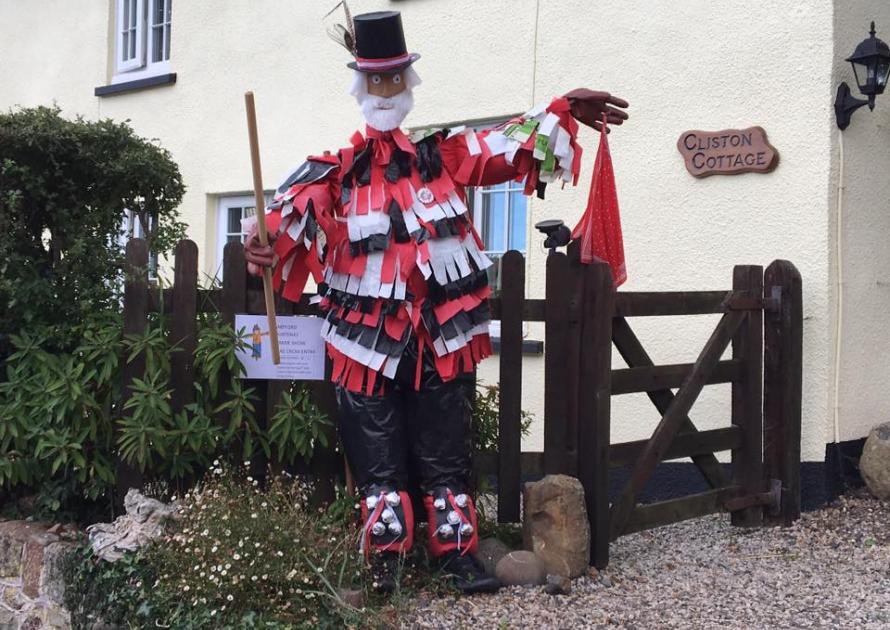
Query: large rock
x=555, y=524
x=875, y=461
x=520, y=568
x=489, y=552
x=144, y=520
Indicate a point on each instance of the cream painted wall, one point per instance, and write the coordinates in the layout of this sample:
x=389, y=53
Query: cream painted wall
x=683, y=65
x=865, y=230
x=699, y=65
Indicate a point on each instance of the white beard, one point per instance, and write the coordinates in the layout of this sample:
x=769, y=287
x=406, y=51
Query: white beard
x=385, y=114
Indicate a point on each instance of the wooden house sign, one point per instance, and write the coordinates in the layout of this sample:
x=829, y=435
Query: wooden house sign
x=727, y=152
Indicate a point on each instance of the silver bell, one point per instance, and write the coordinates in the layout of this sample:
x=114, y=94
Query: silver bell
x=445, y=531
x=393, y=499
x=395, y=528
x=371, y=502
x=466, y=529
x=388, y=516
x=378, y=529
x=461, y=500
x=440, y=504
x=453, y=517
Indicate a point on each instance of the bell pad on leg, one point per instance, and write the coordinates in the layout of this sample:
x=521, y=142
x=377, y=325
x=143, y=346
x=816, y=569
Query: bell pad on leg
x=452, y=522
x=387, y=521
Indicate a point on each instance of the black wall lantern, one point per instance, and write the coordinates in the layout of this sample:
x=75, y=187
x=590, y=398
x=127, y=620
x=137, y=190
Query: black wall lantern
x=871, y=65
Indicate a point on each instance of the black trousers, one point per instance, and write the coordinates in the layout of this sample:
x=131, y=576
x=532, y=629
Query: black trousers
x=406, y=438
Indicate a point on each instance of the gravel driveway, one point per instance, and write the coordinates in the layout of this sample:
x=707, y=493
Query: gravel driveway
x=830, y=570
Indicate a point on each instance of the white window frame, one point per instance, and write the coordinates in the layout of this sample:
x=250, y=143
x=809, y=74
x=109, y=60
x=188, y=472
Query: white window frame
x=223, y=205
x=132, y=228
x=141, y=65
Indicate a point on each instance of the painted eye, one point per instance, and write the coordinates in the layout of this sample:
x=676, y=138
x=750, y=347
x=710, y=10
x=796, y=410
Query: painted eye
x=376, y=79
x=397, y=78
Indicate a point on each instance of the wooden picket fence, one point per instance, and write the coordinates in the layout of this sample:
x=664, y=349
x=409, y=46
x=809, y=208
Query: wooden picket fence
x=584, y=318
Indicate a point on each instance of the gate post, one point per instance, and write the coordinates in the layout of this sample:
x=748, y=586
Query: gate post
x=747, y=410
x=509, y=419
x=782, y=380
x=562, y=331
x=594, y=404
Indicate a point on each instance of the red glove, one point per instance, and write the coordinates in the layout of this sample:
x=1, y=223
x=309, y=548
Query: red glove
x=588, y=107
x=259, y=257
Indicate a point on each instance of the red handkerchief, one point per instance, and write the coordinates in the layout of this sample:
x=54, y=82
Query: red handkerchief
x=600, y=226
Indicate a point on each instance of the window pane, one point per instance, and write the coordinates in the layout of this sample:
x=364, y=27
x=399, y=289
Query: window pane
x=517, y=221
x=494, y=221
x=125, y=22
x=158, y=13
x=132, y=44
x=157, y=43
x=234, y=222
x=125, y=46
x=133, y=14
x=167, y=42
x=169, y=4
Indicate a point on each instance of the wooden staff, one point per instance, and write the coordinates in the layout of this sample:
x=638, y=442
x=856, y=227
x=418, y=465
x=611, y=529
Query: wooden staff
x=260, y=201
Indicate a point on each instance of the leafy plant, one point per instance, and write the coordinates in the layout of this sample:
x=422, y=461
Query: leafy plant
x=297, y=426
x=56, y=415
x=486, y=410
x=64, y=419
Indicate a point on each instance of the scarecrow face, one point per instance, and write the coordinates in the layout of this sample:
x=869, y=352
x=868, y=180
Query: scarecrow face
x=385, y=98
x=386, y=85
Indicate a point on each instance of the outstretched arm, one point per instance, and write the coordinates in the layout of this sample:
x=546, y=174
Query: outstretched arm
x=539, y=146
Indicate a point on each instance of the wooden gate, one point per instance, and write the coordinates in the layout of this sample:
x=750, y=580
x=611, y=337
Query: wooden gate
x=761, y=319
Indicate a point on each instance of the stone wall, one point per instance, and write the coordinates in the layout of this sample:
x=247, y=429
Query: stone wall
x=31, y=587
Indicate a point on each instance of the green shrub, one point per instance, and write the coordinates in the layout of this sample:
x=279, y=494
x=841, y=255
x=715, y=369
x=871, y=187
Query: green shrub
x=64, y=421
x=65, y=186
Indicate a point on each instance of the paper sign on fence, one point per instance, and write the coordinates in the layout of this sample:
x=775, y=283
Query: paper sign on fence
x=299, y=338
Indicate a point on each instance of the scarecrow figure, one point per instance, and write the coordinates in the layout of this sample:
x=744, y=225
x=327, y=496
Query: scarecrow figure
x=256, y=342
x=383, y=227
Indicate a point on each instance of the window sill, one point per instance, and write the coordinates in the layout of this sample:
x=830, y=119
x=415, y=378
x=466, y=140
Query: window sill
x=136, y=84
x=529, y=346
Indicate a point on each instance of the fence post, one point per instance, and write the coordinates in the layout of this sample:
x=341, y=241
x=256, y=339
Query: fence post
x=556, y=367
x=233, y=300
x=234, y=288
x=509, y=433
x=184, y=327
x=747, y=409
x=782, y=385
x=135, y=321
x=594, y=404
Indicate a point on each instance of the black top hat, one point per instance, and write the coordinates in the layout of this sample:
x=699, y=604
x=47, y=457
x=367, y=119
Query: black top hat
x=380, y=43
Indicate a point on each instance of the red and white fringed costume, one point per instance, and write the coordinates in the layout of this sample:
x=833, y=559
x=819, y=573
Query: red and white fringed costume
x=383, y=228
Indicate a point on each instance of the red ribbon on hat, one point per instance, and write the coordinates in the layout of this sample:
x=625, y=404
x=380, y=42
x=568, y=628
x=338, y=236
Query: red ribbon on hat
x=600, y=226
